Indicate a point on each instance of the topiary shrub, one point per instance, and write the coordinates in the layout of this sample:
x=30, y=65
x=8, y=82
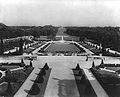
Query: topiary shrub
x=86, y=58
x=77, y=67
x=46, y=67
x=102, y=62
x=22, y=60
x=43, y=72
x=34, y=90
x=93, y=64
x=39, y=79
x=31, y=64
x=22, y=63
x=80, y=72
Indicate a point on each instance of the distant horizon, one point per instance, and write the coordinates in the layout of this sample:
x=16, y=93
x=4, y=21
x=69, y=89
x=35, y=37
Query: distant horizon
x=90, y=13
x=53, y=25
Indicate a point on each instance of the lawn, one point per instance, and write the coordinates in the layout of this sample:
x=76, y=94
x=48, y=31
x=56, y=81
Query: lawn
x=62, y=47
x=109, y=81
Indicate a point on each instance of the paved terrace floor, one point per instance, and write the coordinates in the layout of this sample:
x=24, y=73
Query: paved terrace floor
x=61, y=82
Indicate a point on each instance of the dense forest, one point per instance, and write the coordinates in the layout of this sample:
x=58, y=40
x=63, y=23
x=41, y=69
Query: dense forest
x=109, y=37
x=18, y=31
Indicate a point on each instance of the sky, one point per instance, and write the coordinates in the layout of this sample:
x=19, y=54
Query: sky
x=60, y=12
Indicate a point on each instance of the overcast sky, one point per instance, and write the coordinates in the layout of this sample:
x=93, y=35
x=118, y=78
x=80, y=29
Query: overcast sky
x=60, y=12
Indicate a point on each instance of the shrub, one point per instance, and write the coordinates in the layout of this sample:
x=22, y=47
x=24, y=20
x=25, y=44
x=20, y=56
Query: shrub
x=46, y=67
x=77, y=67
x=39, y=79
x=31, y=64
x=80, y=72
x=43, y=72
x=34, y=90
x=93, y=64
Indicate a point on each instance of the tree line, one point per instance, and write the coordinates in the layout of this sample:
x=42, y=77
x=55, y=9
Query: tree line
x=7, y=32
x=109, y=37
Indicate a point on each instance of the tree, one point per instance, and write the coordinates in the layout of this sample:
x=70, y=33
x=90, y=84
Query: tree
x=22, y=63
x=2, y=29
x=93, y=64
x=46, y=67
x=1, y=46
x=102, y=61
x=31, y=64
x=21, y=46
x=77, y=67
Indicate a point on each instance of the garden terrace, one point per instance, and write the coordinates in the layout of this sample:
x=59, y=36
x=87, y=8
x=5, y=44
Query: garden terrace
x=97, y=50
x=43, y=48
x=14, y=77
x=60, y=79
x=11, y=44
x=64, y=47
x=108, y=78
x=91, y=48
x=32, y=48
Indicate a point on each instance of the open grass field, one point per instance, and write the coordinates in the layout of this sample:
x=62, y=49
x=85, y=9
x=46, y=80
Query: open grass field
x=62, y=47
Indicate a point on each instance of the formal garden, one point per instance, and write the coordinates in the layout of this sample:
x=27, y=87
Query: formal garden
x=108, y=75
x=65, y=48
x=13, y=75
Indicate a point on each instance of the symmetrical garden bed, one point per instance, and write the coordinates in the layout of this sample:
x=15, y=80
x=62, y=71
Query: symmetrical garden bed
x=33, y=47
x=59, y=48
x=108, y=77
x=97, y=50
x=14, y=77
